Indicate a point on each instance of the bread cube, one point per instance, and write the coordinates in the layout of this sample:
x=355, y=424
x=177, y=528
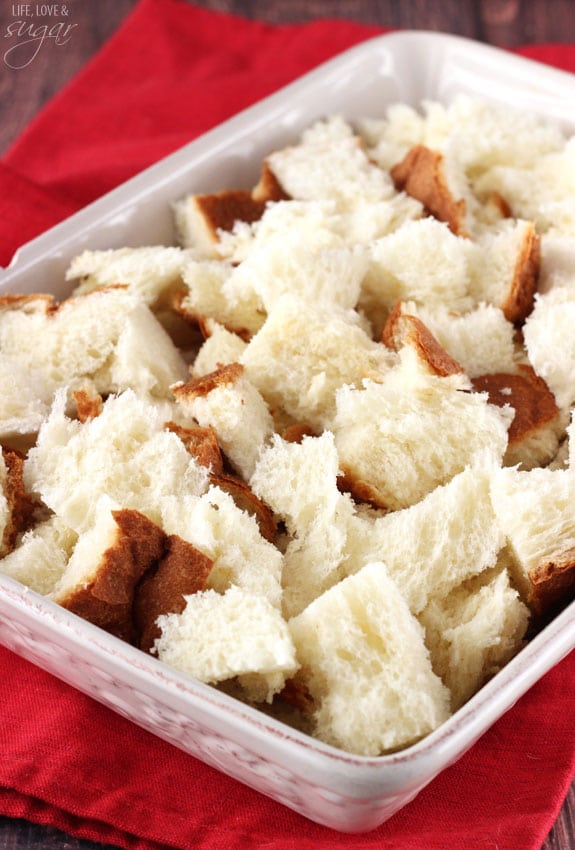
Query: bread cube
x=41, y=556
x=299, y=481
x=235, y=635
x=474, y=631
x=205, y=298
x=227, y=401
x=422, y=261
x=303, y=353
x=504, y=269
x=433, y=546
x=220, y=348
x=535, y=511
x=126, y=453
x=482, y=340
x=108, y=560
x=329, y=162
x=364, y=662
x=402, y=436
x=550, y=343
x=231, y=538
x=151, y=272
x=127, y=345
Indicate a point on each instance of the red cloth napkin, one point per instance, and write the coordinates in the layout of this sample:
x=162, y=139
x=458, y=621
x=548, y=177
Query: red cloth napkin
x=171, y=72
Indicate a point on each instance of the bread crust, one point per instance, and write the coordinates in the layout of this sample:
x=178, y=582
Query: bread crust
x=528, y=394
x=181, y=571
x=362, y=491
x=246, y=500
x=520, y=298
x=107, y=599
x=421, y=175
x=268, y=187
x=552, y=583
x=38, y=302
x=21, y=505
x=404, y=329
x=202, y=444
x=88, y=405
x=221, y=210
x=205, y=384
x=295, y=432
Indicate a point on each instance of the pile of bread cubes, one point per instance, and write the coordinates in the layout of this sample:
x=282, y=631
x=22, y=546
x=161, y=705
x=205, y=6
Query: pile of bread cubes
x=317, y=453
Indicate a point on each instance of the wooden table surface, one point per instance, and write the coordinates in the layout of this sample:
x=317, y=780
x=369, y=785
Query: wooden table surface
x=23, y=92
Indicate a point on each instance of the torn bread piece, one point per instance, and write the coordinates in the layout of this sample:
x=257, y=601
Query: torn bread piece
x=535, y=511
x=220, y=348
x=538, y=425
x=299, y=481
x=144, y=358
x=364, y=663
x=482, y=340
x=205, y=299
x=290, y=265
x=421, y=430
x=25, y=401
x=436, y=544
x=303, y=353
x=234, y=635
x=329, y=162
x=389, y=138
x=107, y=562
x=315, y=222
x=151, y=272
x=231, y=537
x=201, y=218
x=27, y=391
x=41, y=556
x=550, y=343
x=423, y=175
x=505, y=269
x=474, y=631
x=227, y=401
x=126, y=453
x=403, y=328
x=128, y=347
x=424, y=262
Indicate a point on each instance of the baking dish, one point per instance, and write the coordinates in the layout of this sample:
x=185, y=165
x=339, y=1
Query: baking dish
x=346, y=792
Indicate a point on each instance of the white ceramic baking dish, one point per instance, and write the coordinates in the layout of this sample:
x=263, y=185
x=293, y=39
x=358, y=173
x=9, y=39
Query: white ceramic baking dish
x=346, y=792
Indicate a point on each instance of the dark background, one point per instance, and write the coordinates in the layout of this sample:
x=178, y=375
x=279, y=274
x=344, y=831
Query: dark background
x=23, y=92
